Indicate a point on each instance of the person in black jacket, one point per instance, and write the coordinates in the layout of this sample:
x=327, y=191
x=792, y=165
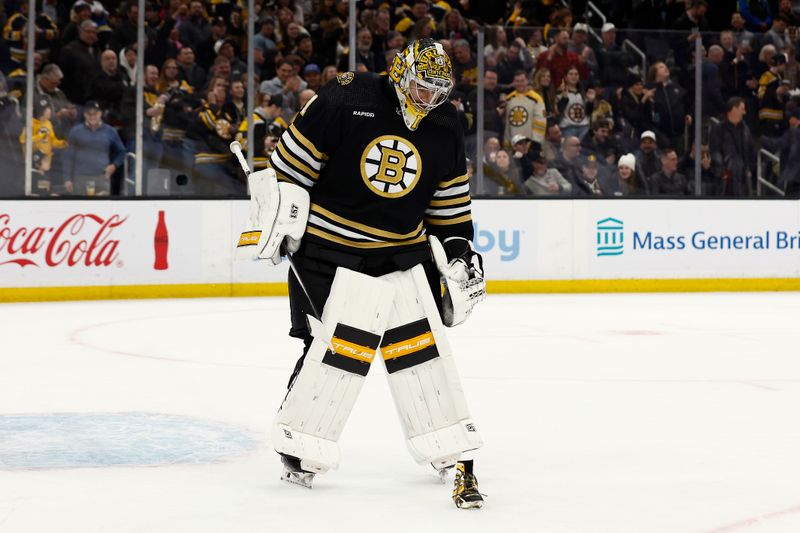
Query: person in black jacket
x=788, y=146
x=79, y=63
x=668, y=181
x=669, y=113
x=733, y=152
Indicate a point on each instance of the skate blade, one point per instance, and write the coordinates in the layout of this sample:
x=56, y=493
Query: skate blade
x=477, y=504
x=303, y=479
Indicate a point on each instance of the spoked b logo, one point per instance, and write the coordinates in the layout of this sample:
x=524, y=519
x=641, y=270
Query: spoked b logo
x=391, y=166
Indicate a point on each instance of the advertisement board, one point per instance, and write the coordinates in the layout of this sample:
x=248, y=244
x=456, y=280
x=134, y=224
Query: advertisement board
x=101, y=249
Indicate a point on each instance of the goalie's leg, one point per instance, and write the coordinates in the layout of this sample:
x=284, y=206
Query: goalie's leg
x=330, y=376
x=422, y=375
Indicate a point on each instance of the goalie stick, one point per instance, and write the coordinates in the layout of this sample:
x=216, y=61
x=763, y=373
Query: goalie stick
x=236, y=149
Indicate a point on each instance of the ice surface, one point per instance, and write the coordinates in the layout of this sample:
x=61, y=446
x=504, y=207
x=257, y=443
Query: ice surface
x=601, y=413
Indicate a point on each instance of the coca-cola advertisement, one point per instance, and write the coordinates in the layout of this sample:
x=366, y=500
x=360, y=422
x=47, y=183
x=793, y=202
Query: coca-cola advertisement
x=135, y=244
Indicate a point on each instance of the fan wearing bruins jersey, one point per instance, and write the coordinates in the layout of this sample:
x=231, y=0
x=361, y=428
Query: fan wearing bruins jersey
x=382, y=158
x=525, y=111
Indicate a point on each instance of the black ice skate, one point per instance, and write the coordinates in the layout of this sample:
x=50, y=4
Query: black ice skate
x=293, y=473
x=465, y=491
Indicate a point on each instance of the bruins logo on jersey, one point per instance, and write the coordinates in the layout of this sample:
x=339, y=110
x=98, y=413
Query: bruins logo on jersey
x=518, y=116
x=345, y=77
x=391, y=166
x=576, y=112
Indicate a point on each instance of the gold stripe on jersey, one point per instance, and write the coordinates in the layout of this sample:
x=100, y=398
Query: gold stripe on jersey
x=307, y=144
x=287, y=157
x=449, y=221
x=358, y=244
x=460, y=179
x=369, y=231
x=286, y=170
x=464, y=199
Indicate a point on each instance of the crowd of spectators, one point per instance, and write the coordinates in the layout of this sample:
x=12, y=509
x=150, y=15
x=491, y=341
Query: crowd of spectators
x=574, y=106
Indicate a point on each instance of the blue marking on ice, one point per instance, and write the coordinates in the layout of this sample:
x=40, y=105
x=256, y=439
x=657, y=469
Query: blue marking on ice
x=94, y=440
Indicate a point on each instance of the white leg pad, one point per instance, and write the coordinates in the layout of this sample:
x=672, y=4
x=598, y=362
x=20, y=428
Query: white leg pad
x=423, y=377
x=316, y=408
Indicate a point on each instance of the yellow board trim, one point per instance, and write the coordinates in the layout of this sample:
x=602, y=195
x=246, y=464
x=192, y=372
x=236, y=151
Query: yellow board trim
x=212, y=290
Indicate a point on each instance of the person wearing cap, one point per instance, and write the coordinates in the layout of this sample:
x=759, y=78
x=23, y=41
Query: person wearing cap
x=313, y=76
x=525, y=111
x=580, y=34
x=94, y=153
x=648, y=157
x=613, y=59
x=592, y=179
x=772, y=96
x=546, y=181
x=78, y=13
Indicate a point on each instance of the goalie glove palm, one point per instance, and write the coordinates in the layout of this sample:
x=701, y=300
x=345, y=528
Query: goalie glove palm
x=462, y=277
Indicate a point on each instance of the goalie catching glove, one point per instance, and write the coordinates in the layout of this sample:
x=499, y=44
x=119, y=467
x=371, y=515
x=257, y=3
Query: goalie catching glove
x=461, y=268
x=278, y=213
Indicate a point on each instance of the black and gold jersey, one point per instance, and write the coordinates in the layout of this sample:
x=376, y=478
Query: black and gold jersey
x=375, y=186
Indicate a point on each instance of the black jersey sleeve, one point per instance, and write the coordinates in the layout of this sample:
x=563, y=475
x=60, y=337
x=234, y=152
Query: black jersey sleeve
x=308, y=143
x=449, y=213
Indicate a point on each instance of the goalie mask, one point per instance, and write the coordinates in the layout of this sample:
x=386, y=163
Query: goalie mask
x=423, y=78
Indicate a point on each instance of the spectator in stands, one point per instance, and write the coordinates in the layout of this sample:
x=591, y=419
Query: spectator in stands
x=125, y=34
x=573, y=106
x=207, y=50
x=95, y=152
x=788, y=147
x=738, y=28
x=79, y=62
x=494, y=105
x=764, y=62
x=78, y=13
x=648, y=157
x=190, y=72
x=312, y=76
x=453, y=26
x=668, y=181
x=64, y=112
x=153, y=119
x=196, y=28
x=626, y=182
x=107, y=87
x=791, y=11
x=228, y=50
x=525, y=111
x=288, y=84
x=558, y=59
x=708, y=181
x=16, y=29
x=265, y=38
x=364, y=53
x=777, y=36
x=547, y=181
x=419, y=10
x=536, y=44
x=613, y=59
x=669, y=116
x=505, y=177
x=381, y=26
x=515, y=58
x=594, y=179
x=181, y=98
x=601, y=143
x=543, y=85
x=465, y=67
x=773, y=94
x=235, y=106
x=757, y=14
x=733, y=151
x=637, y=107
x=328, y=74
x=552, y=141
x=568, y=160
x=496, y=40
x=713, y=103
x=44, y=142
x=578, y=45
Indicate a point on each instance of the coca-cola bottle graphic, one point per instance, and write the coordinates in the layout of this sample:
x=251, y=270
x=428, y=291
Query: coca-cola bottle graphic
x=161, y=241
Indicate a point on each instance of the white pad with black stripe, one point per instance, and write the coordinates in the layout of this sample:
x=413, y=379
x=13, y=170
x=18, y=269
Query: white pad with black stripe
x=319, y=402
x=423, y=377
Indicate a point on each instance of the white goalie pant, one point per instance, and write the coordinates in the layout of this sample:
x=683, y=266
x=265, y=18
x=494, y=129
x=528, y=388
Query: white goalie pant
x=400, y=309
